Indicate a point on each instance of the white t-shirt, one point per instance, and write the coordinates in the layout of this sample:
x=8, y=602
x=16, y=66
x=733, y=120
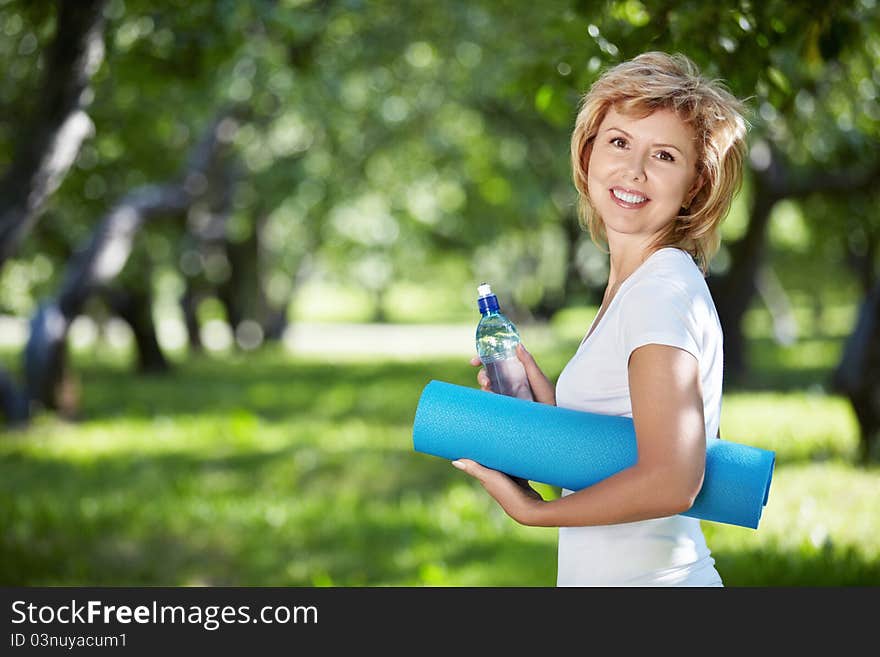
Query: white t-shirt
x=665, y=301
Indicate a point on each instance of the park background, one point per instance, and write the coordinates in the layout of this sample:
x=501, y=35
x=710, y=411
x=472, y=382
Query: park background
x=238, y=238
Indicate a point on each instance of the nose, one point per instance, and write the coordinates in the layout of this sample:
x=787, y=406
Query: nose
x=635, y=167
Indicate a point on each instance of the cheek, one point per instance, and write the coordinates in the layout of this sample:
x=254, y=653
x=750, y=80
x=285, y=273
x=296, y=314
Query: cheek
x=675, y=183
x=595, y=186
x=598, y=172
x=684, y=188
x=597, y=163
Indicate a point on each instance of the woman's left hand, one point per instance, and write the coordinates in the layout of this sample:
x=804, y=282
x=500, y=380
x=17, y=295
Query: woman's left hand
x=518, y=499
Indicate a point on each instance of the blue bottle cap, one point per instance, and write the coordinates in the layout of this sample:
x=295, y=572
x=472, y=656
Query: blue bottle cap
x=486, y=301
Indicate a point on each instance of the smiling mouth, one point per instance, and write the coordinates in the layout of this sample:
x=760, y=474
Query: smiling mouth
x=628, y=199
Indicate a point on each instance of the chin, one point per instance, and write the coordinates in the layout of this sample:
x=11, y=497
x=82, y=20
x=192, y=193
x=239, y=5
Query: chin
x=631, y=227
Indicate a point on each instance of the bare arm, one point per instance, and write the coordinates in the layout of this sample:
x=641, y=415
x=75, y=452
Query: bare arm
x=671, y=436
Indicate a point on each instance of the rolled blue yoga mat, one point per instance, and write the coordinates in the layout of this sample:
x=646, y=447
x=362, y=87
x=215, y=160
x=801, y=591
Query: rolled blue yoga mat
x=574, y=449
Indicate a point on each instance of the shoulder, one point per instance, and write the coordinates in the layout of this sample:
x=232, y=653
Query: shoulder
x=669, y=275
x=667, y=303
x=676, y=265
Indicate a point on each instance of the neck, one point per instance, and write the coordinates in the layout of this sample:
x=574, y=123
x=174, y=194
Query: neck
x=625, y=258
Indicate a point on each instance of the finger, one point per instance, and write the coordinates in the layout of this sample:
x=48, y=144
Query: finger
x=525, y=357
x=542, y=389
x=475, y=360
x=466, y=465
x=473, y=468
x=483, y=380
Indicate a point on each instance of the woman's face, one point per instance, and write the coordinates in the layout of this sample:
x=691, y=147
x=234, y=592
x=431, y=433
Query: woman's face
x=641, y=172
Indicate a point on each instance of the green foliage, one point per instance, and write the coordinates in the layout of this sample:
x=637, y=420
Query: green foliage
x=377, y=140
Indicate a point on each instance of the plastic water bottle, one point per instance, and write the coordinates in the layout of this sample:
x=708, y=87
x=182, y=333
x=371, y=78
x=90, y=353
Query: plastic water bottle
x=497, y=338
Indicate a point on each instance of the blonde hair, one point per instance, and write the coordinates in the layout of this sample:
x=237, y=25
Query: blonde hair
x=654, y=81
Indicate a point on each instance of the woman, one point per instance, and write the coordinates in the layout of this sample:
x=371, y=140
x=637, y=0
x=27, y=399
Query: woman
x=657, y=153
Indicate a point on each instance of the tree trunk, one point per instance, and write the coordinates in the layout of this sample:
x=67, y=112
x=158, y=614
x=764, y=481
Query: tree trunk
x=242, y=294
x=14, y=404
x=862, y=262
x=52, y=135
x=857, y=375
x=101, y=260
x=45, y=354
x=378, y=316
x=135, y=307
x=189, y=305
x=50, y=140
x=94, y=266
x=733, y=292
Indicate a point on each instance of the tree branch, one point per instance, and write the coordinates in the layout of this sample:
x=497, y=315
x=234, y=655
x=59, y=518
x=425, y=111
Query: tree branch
x=106, y=253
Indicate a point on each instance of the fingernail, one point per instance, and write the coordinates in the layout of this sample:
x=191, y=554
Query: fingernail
x=458, y=464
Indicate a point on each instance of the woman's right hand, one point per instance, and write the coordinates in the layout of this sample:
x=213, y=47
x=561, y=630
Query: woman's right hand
x=543, y=389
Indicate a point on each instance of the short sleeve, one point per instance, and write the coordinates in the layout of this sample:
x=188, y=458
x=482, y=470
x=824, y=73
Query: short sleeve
x=658, y=311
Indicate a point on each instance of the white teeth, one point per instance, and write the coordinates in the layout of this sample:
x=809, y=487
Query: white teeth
x=629, y=198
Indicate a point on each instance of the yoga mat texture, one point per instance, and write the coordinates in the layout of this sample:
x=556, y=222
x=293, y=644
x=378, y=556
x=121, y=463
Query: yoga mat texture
x=575, y=449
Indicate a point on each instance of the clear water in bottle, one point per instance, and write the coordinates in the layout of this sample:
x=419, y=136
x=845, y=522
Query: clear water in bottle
x=497, y=339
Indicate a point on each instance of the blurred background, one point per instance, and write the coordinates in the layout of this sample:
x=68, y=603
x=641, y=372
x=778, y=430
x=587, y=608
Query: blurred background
x=238, y=238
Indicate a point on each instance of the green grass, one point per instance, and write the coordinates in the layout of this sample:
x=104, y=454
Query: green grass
x=264, y=469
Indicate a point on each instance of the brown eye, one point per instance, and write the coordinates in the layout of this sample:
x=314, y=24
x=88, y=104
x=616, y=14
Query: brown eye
x=666, y=156
x=620, y=142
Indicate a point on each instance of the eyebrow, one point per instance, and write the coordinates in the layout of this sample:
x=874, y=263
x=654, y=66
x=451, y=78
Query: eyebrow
x=631, y=137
